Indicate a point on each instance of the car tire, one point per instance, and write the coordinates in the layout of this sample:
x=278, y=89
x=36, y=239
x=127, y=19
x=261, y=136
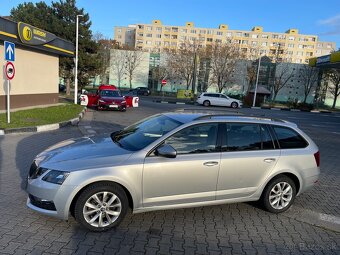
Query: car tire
x=93, y=211
x=234, y=105
x=206, y=103
x=279, y=194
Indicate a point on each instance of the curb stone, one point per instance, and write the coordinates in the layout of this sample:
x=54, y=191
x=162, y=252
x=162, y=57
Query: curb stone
x=43, y=128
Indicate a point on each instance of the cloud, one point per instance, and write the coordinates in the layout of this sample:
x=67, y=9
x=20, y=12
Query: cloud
x=333, y=23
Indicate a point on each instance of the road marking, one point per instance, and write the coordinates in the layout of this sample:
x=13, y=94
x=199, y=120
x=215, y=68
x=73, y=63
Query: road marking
x=337, y=133
x=329, y=218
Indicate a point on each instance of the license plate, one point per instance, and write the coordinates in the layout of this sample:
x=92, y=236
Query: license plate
x=113, y=106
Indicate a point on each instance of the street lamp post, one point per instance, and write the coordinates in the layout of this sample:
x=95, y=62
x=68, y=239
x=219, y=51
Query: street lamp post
x=257, y=80
x=76, y=64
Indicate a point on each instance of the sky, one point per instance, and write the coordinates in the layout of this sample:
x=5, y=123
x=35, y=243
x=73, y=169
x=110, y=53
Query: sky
x=313, y=17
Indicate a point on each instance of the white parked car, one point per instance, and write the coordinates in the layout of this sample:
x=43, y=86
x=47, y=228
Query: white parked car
x=218, y=99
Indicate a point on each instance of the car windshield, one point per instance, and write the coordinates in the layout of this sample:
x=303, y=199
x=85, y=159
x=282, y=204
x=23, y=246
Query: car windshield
x=110, y=93
x=143, y=133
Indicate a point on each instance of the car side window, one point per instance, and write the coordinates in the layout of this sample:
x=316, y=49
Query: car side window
x=223, y=96
x=195, y=139
x=243, y=137
x=289, y=139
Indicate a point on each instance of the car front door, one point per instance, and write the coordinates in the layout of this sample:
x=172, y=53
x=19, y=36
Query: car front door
x=248, y=156
x=224, y=100
x=191, y=177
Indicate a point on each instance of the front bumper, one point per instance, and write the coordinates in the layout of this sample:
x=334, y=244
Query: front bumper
x=112, y=107
x=49, y=199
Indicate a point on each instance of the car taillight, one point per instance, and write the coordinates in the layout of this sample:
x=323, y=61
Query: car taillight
x=317, y=158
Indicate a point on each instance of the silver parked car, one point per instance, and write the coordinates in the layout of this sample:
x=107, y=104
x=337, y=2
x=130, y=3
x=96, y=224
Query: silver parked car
x=173, y=160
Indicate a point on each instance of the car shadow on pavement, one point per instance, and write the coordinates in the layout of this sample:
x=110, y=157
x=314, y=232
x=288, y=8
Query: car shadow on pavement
x=32, y=145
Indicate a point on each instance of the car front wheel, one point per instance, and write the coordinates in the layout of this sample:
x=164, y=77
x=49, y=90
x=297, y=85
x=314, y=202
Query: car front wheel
x=101, y=206
x=279, y=194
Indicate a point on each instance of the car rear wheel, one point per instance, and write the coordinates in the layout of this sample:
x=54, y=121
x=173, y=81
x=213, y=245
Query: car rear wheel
x=234, y=105
x=279, y=194
x=206, y=103
x=101, y=206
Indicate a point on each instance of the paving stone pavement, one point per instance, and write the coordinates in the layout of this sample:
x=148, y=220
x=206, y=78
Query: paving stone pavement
x=226, y=229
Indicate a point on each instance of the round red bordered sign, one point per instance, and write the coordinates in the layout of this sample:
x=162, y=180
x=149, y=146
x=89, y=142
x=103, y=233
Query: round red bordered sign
x=9, y=70
x=163, y=82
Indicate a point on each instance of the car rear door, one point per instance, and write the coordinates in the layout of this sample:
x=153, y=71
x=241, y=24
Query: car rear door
x=191, y=177
x=247, y=158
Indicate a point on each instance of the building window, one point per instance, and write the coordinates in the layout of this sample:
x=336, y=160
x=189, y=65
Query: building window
x=209, y=39
x=148, y=35
x=119, y=37
x=300, y=46
x=218, y=40
x=119, y=30
x=158, y=43
x=202, y=32
x=254, y=36
x=173, y=44
x=264, y=44
x=149, y=28
x=246, y=34
x=192, y=38
x=167, y=29
x=244, y=41
x=183, y=38
x=158, y=36
x=140, y=34
x=282, y=37
x=291, y=38
x=140, y=26
x=238, y=34
x=193, y=31
x=290, y=45
x=148, y=42
x=173, y=36
x=275, y=36
x=229, y=34
x=183, y=30
x=253, y=43
x=209, y=32
x=166, y=36
x=175, y=29
x=219, y=33
x=166, y=44
x=265, y=36
x=158, y=29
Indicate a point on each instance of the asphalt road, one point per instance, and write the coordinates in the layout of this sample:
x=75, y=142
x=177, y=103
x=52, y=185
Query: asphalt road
x=309, y=227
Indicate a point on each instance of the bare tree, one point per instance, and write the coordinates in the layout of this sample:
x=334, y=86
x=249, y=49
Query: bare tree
x=104, y=47
x=309, y=77
x=334, y=76
x=133, y=59
x=117, y=59
x=283, y=74
x=181, y=61
x=223, y=62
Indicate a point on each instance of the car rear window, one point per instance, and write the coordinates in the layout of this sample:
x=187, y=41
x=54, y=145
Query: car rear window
x=288, y=138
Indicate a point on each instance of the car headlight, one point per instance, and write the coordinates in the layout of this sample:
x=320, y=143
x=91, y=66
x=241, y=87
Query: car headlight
x=56, y=177
x=101, y=101
x=123, y=102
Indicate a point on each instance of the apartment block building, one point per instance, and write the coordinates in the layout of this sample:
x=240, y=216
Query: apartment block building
x=155, y=37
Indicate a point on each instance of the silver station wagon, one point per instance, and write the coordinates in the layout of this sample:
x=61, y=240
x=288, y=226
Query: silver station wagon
x=173, y=160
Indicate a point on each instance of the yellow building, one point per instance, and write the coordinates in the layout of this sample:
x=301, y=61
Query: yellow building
x=297, y=48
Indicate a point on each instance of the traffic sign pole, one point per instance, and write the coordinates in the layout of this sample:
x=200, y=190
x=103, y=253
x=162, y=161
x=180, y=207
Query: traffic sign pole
x=8, y=102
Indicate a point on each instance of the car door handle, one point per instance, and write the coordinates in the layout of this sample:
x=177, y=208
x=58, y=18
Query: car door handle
x=269, y=160
x=210, y=163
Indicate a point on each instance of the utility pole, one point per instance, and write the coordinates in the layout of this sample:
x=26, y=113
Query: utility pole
x=76, y=64
x=194, y=76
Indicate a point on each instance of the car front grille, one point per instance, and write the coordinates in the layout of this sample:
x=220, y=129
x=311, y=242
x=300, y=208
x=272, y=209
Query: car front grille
x=43, y=204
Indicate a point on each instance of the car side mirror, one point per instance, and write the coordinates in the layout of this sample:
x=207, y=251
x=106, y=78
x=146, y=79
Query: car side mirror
x=166, y=151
